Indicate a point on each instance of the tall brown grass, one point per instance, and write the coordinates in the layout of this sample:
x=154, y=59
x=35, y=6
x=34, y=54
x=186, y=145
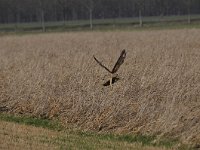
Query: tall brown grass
x=54, y=75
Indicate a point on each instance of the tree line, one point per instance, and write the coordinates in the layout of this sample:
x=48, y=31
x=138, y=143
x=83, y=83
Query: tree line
x=18, y=11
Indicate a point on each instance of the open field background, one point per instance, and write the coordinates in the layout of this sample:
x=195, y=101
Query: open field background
x=158, y=22
x=54, y=76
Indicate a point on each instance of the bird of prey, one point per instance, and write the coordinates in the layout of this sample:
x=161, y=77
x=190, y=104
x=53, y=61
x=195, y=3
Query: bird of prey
x=119, y=62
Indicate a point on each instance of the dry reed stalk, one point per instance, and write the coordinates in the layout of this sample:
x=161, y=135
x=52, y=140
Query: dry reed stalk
x=158, y=93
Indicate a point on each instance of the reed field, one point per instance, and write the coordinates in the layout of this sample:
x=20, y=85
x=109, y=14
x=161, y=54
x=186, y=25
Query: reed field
x=54, y=76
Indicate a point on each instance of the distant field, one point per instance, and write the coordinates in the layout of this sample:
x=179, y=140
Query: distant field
x=107, y=24
x=54, y=76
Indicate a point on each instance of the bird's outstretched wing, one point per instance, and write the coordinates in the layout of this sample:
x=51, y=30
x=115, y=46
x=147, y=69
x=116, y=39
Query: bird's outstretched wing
x=101, y=64
x=119, y=62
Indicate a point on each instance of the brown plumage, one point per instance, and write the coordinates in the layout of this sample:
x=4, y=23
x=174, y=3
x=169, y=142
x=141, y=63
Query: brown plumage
x=116, y=67
x=119, y=62
x=101, y=64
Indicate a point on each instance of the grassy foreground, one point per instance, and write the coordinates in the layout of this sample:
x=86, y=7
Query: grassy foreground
x=46, y=134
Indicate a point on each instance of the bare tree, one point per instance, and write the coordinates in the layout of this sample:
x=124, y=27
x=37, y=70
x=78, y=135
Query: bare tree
x=140, y=4
x=63, y=4
x=189, y=10
x=18, y=11
x=42, y=14
x=89, y=5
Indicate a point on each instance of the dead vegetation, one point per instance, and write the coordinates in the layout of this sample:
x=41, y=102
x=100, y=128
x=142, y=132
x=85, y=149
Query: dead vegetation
x=54, y=75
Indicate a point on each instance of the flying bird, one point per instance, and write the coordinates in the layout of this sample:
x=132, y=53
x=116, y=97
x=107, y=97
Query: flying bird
x=116, y=67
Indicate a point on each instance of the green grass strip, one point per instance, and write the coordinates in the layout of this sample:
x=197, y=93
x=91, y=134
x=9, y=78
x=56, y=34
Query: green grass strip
x=56, y=126
x=37, y=122
x=130, y=138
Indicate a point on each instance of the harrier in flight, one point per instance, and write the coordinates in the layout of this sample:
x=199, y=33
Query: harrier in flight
x=119, y=62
